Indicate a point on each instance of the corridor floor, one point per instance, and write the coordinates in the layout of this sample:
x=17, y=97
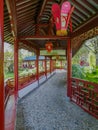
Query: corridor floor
x=48, y=108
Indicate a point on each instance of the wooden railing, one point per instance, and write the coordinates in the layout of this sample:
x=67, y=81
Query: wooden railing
x=22, y=80
x=8, y=92
x=85, y=94
x=41, y=74
x=10, y=100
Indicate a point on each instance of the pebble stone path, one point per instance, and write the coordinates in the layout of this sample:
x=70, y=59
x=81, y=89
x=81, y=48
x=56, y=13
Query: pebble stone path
x=48, y=108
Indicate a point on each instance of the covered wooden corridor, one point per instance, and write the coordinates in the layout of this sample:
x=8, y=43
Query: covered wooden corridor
x=29, y=24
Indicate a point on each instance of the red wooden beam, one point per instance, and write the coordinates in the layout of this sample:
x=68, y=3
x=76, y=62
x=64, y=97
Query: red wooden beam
x=69, y=71
x=48, y=37
x=1, y=67
x=54, y=48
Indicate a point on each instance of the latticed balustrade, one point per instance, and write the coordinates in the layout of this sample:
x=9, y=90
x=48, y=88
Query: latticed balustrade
x=85, y=94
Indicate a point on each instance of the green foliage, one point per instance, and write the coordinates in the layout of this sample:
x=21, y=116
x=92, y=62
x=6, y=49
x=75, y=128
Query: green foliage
x=81, y=52
x=77, y=71
x=92, y=76
x=8, y=75
x=92, y=59
x=86, y=73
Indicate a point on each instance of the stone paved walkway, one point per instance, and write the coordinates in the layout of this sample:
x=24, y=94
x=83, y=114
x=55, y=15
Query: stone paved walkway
x=47, y=108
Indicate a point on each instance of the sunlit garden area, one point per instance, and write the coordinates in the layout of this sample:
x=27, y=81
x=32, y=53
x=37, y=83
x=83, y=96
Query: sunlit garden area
x=85, y=62
x=9, y=61
x=27, y=65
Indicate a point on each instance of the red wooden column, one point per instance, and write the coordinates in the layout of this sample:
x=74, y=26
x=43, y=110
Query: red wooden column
x=61, y=64
x=50, y=65
x=46, y=67
x=43, y=63
x=1, y=68
x=69, y=69
x=37, y=68
x=55, y=64
x=35, y=63
x=16, y=66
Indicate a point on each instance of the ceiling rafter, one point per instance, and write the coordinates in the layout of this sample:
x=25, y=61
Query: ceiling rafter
x=87, y=4
x=77, y=20
x=25, y=5
x=80, y=7
x=91, y=23
x=31, y=12
x=42, y=8
x=26, y=10
x=11, y=5
x=28, y=29
x=21, y=21
x=96, y=1
x=25, y=14
x=24, y=25
x=34, y=44
x=39, y=16
x=20, y=2
x=26, y=19
x=35, y=49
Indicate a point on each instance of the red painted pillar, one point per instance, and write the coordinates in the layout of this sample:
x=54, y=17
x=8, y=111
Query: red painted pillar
x=55, y=65
x=60, y=64
x=36, y=64
x=1, y=67
x=46, y=67
x=43, y=63
x=37, y=68
x=50, y=65
x=69, y=69
x=16, y=66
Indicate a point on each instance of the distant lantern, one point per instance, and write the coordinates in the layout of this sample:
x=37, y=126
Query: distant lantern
x=49, y=46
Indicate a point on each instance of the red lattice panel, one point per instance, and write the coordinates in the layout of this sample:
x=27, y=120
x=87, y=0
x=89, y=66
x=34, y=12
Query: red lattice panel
x=85, y=94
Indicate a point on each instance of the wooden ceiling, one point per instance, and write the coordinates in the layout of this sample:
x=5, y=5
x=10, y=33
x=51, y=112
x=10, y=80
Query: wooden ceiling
x=30, y=21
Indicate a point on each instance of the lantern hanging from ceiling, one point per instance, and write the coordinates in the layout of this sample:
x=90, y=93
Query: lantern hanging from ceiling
x=49, y=46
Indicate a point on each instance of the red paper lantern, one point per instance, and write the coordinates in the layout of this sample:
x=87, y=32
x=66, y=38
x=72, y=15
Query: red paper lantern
x=49, y=46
